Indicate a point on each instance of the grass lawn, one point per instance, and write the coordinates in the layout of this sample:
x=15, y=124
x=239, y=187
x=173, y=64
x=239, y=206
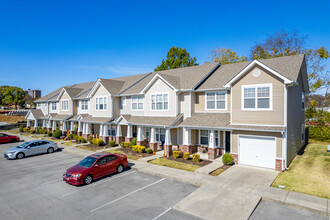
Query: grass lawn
x=131, y=157
x=174, y=164
x=13, y=131
x=308, y=173
x=217, y=172
x=49, y=139
x=11, y=119
x=69, y=143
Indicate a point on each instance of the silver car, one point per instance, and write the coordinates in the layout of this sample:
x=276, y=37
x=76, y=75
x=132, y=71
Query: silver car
x=31, y=148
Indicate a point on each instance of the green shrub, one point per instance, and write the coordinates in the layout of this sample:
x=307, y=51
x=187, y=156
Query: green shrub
x=26, y=129
x=57, y=134
x=141, y=149
x=186, y=155
x=133, y=142
x=21, y=128
x=135, y=148
x=112, y=143
x=176, y=154
x=49, y=133
x=76, y=137
x=320, y=133
x=149, y=151
x=39, y=130
x=125, y=144
x=69, y=137
x=90, y=139
x=227, y=159
x=98, y=142
x=196, y=158
x=44, y=131
x=81, y=139
x=32, y=131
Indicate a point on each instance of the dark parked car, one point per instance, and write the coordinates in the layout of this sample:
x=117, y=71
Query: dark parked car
x=94, y=167
x=5, y=138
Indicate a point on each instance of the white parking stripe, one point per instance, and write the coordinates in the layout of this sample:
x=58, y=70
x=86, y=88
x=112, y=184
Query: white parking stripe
x=95, y=184
x=57, y=180
x=161, y=214
x=109, y=203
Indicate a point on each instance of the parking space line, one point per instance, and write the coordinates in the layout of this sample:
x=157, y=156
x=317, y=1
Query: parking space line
x=161, y=214
x=109, y=203
x=95, y=184
x=57, y=180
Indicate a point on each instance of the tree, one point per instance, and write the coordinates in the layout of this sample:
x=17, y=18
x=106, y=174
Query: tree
x=291, y=43
x=13, y=95
x=176, y=58
x=29, y=100
x=1, y=92
x=226, y=56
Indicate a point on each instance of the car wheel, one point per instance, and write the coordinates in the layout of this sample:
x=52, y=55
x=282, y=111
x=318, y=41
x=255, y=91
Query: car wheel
x=50, y=150
x=20, y=155
x=12, y=140
x=120, y=168
x=88, y=179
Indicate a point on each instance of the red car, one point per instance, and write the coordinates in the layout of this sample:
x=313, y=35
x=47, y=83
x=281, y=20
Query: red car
x=5, y=138
x=94, y=167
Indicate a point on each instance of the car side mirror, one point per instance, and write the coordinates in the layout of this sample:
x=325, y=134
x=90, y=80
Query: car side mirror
x=96, y=165
x=28, y=147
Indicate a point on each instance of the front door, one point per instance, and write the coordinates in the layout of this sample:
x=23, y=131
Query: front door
x=228, y=133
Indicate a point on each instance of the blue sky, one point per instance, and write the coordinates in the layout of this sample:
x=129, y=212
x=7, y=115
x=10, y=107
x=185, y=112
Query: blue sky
x=47, y=44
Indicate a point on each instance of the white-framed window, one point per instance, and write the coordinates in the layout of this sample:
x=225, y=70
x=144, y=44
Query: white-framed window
x=159, y=102
x=112, y=130
x=65, y=105
x=302, y=132
x=302, y=101
x=147, y=133
x=54, y=106
x=137, y=102
x=257, y=97
x=84, y=104
x=217, y=141
x=101, y=103
x=204, y=137
x=123, y=101
x=160, y=134
x=216, y=100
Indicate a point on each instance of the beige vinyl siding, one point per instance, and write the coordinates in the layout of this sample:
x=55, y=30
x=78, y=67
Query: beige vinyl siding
x=296, y=118
x=75, y=107
x=116, y=106
x=174, y=136
x=67, y=97
x=184, y=103
x=278, y=137
x=100, y=92
x=267, y=117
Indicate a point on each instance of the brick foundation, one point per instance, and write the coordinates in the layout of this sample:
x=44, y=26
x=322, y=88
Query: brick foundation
x=159, y=146
x=202, y=149
x=120, y=139
x=105, y=139
x=235, y=157
x=80, y=133
x=49, y=129
x=142, y=143
x=188, y=149
x=85, y=136
x=212, y=153
x=169, y=151
x=127, y=139
x=153, y=147
x=278, y=164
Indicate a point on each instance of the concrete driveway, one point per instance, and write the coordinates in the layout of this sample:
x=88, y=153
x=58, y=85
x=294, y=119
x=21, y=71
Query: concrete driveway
x=32, y=188
x=230, y=197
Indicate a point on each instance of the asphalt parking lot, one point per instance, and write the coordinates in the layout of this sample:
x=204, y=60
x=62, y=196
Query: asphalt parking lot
x=32, y=188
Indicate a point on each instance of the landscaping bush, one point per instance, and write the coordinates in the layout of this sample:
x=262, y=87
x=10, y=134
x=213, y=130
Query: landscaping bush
x=135, y=148
x=141, y=149
x=39, y=130
x=21, y=128
x=133, y=142
x=49, y=133
x=76, y=137
x=90, y=139
x=320, y=133
x=26, y=129
x=44, y=131
x=112, y=143
x=196, y=158
x=98, y=142
x=81, y=139
x=69, y=137
x=227, y=159
x=33, y=131
x=125, y=144
x=57, y=134
x=176, y=154
x=186, y=156
x=149, y=151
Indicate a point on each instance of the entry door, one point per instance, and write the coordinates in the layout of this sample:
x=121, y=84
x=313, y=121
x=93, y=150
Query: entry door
x=257, y=151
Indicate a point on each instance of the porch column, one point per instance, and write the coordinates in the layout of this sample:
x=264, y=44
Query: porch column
x=49, y=124
x=119, y=136
x=224, y=139
x=144, y=133
x=71, y=127
x=89, y=128
x=84, y=128
x=168, y=142
x=129, y=134
x=101, y=131
x=54, y=126
x=212, y=151
x=64, y=128
x=28, y=123
x=187, y=137
x=212, y=139
x=36, y=123
x=105, y=134
x=80, y=128
x=152, y=143
x=139, y=139
x=44, y=124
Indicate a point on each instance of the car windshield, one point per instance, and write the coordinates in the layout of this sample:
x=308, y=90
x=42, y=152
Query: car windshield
x=87, y=162
x=24, y=145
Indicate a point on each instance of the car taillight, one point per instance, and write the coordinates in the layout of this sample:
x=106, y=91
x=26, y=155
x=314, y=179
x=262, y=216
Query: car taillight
x=55, y=143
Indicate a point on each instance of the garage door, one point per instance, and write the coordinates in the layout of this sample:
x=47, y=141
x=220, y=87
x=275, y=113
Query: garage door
x=257, y=151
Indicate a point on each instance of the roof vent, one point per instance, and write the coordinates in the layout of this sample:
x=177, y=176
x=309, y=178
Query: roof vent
x=256, y=73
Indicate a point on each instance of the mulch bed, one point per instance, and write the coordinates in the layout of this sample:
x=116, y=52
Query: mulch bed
x=132, y=153
x=201, y=163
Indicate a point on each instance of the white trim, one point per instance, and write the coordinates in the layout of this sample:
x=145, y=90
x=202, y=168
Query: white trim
x=95, y=87
x=258, y=125
x=137, y=103
x=143, y=91
x=176, y=120
x=190, y=110
x=215, y=101
x=231, y=105
x=212, y=89
x=64, y=110
x=229, y=84
x=168, y=101
x=256, y=86
x=228, y=129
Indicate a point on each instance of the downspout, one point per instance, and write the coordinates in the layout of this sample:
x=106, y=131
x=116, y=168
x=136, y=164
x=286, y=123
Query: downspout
x=285, y=136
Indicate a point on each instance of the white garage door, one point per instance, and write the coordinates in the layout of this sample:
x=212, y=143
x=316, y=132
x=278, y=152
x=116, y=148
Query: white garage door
x=257, y=151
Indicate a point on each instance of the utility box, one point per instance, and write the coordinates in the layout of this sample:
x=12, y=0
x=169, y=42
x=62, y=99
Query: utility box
x=328, y=150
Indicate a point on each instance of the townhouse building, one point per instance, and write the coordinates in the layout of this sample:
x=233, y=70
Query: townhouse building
x=253, y=110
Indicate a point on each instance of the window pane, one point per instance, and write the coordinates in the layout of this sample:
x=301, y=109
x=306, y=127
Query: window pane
x=153, y=98
x=165, y=97
x=166, y=105
x=204, y=133
x=249, y=103
x=263, y=103
x=153, y=106
x=210, y=104
x=263, y=92
x=140, y=105
x=221, y=105
x=159, y=105
x=210, y=96
x=204, y=140
x=249, y=92
x=134, y=106
x=221, y=96
x=159, y=98
x=134, y=99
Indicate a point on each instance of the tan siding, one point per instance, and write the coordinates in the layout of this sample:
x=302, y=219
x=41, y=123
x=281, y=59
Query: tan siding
x=116, y=107
x=274, y=117
x=296, y=118
x=174, y=136
x=75, y=107
x=278, y=137
x=194, y=136
x=65, y=96
x=200, y=102
x=184, y=103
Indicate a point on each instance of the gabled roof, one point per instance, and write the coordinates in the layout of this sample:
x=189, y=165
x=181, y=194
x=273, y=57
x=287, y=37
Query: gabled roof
x=37, y=113
x=149, y=120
